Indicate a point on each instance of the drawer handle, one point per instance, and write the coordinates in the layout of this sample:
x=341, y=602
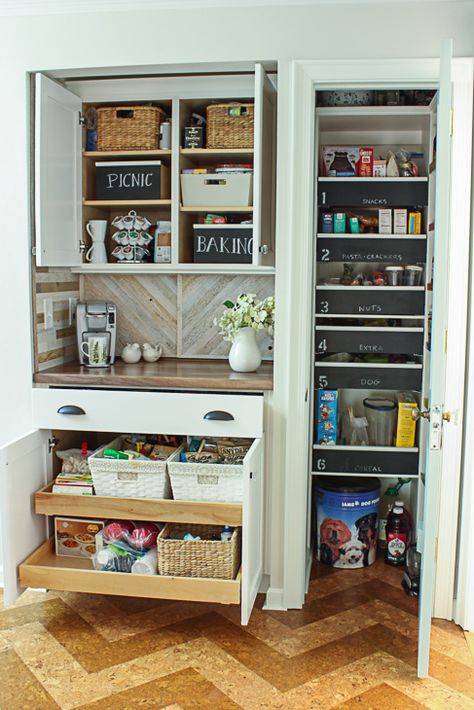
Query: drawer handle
x=217, y=415
x=70, y=409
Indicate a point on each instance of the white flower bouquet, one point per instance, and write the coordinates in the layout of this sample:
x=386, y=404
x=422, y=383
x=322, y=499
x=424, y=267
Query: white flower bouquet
x=246, y=312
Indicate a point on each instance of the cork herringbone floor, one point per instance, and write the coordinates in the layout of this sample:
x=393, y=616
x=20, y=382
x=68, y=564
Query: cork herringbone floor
x=352, y=646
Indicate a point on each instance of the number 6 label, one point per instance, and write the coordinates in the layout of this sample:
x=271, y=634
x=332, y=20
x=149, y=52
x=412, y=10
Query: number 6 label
x=321, y=464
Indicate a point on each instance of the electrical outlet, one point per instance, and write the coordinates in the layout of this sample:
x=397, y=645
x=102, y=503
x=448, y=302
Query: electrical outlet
x=72, y=310
x=48, y=314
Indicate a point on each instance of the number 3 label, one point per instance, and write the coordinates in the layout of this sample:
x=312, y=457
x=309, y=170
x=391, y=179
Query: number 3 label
x=324, y=306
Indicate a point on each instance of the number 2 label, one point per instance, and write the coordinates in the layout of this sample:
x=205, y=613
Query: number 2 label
x=325, y=254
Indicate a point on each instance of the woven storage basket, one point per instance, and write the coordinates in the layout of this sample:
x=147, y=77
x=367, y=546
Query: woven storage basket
x=128, y=479
x=129, y=127
x=206, y=481
x=229, y=128
x=198, y=558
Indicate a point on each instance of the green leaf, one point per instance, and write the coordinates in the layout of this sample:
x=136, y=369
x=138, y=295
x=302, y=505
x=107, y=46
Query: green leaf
x=228, y=304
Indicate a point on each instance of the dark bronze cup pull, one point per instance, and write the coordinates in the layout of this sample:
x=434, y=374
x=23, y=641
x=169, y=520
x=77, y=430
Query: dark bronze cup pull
x=70, y=409
x=217, y=415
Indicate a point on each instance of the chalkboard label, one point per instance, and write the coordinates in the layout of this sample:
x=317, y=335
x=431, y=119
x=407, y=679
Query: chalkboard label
x=141, y=180
x=363, y=462
x=372, y=301
x=364, y=342
x=400, y=193
x=223, y=244
x=365, y=249
x=367, y=378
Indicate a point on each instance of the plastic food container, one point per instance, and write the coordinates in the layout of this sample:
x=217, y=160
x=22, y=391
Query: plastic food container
x=394, y=275
x=380, y=414
x=413, y=275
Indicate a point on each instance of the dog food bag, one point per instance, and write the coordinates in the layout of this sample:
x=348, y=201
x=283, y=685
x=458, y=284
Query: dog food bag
x=347, y=517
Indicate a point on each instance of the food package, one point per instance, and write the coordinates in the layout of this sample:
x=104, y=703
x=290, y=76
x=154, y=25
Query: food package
x=75, y=537
x=385, y=221
x=340, y=161
x=74, y=460
x=129, y=536
x=399, y=221
x=339, y=222
x=380, y=168
x=366, y=162
x=327, y=417
x=406, y=425
x=414, y=223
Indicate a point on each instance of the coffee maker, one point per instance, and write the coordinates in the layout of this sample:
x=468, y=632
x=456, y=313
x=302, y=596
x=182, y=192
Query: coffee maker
x=96, y=326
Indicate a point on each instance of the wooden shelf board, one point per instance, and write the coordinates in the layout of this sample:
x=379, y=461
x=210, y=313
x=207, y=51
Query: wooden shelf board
x=216, y=209
x=126, y=203
x=45, y=569
x=170, y=511
x=127, y=268
x=198, y=152
x=97, y=154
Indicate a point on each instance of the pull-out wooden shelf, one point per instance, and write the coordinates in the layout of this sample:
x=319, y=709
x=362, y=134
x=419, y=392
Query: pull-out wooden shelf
x=45, y=569
x=170, y=511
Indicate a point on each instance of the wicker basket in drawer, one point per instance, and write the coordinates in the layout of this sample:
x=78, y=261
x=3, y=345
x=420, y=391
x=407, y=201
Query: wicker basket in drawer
x=198, y=558
x=230, y=125
x=219, y=482
x=128, y=479
x=129, y=127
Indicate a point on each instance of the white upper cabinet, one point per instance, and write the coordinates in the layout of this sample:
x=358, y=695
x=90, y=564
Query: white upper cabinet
x=264, y=167
x=58, y=138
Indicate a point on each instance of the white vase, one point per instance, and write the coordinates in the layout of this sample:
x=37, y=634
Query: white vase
x=245, y=355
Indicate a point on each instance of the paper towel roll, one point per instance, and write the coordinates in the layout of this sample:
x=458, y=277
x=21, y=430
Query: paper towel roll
x=148, y=564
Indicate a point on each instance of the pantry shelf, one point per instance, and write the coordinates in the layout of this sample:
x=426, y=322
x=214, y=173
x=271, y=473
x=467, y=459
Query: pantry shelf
x=126, y=203
x=98, y=154
x=171, y=511
x=356, y=237
x=351, y=474
x=219, y=152
x=127, y=268
x=44, y=569
x=337, y=287
x=391, y=449
x=373, y=179
x=216, y=209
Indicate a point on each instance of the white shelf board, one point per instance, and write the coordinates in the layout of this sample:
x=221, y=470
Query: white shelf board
x=367, y=316
x=216, y=209
x=370, y=329
x=391, y=449
x=382, y=237
x=372, y=179
x=330, y=287
x=100, y=154
x=238, y=269
x=373, y=119
x=379, y=365
x=350, y=474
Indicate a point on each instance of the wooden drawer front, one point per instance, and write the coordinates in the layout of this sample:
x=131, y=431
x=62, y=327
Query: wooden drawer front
x=396, y=462
x=377, y=301
x=367, y=377
x=368, y=341
x=405, y=250
x=149, y=412
x=365, y=193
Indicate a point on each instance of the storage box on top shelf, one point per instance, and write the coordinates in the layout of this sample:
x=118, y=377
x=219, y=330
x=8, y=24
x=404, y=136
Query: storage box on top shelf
x=217, y=189
x=132, y=180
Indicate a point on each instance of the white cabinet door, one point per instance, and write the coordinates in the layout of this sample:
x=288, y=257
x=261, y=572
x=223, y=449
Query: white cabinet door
x=252, y=537
x=264, y=167
x=23, y=471
x=57, y=174
x=432, y=436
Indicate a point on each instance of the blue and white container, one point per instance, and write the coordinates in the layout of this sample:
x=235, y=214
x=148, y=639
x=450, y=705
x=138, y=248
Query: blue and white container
x=347, y=517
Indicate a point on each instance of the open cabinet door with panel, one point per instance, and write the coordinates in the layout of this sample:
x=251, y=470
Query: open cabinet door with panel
x=252, y=537
x=434, y=416
x=23, y=466
x=58, y=198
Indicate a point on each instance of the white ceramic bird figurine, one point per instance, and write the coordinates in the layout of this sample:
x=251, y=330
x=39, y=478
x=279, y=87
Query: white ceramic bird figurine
x=131, y=353
x=152, y=353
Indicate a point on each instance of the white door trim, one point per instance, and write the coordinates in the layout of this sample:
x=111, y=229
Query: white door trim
x=305, y=77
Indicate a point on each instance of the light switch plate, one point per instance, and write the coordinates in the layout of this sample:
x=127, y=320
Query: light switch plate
x=48, y=314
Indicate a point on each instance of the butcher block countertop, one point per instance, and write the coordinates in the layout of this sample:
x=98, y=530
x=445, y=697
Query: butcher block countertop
x=170, y=373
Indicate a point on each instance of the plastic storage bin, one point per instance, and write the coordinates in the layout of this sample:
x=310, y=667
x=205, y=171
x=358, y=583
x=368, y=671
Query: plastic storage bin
x=380, y=414
x=217, y=189
x=347, y=513
x=128, y=479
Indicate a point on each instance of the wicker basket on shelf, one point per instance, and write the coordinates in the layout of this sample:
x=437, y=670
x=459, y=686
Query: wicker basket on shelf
x=129, y=127
x=230, y=125
x=198, y=558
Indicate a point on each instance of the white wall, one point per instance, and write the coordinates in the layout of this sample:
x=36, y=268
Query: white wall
x=49, y=42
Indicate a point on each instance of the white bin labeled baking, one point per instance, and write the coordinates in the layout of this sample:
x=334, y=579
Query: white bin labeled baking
x=217, y=189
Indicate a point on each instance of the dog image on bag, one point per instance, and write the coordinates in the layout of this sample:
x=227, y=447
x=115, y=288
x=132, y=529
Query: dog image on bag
x=333, y=534
x=367, y=533
x=351, y=555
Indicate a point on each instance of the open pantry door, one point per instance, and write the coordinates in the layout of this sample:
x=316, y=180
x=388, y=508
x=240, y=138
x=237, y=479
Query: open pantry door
x=58, y=189
x=252, y=542
x=432, y=419
x=23, y=471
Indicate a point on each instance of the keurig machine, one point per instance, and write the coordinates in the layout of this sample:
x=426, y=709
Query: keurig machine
x=96, y=324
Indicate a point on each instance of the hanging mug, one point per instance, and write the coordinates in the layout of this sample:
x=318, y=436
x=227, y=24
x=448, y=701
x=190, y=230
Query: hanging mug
x=97, y=229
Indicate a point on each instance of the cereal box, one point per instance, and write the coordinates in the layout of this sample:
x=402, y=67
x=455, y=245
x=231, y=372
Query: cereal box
x=366, y=162
x=75, y=537
x=327, y=417
x=385, y=221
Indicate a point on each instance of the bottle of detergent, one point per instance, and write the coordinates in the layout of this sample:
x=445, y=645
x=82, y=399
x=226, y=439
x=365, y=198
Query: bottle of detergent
x=398, y=534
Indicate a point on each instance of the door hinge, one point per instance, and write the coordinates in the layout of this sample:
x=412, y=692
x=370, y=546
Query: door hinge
x=82, y=247
x=445, y=340
x=52, y=441
x=263, y=249
x=33, y=251
x=82, y=119
x=451, y=122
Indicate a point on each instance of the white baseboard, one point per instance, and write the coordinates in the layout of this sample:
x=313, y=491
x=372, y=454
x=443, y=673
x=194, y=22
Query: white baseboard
x=275, y=600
